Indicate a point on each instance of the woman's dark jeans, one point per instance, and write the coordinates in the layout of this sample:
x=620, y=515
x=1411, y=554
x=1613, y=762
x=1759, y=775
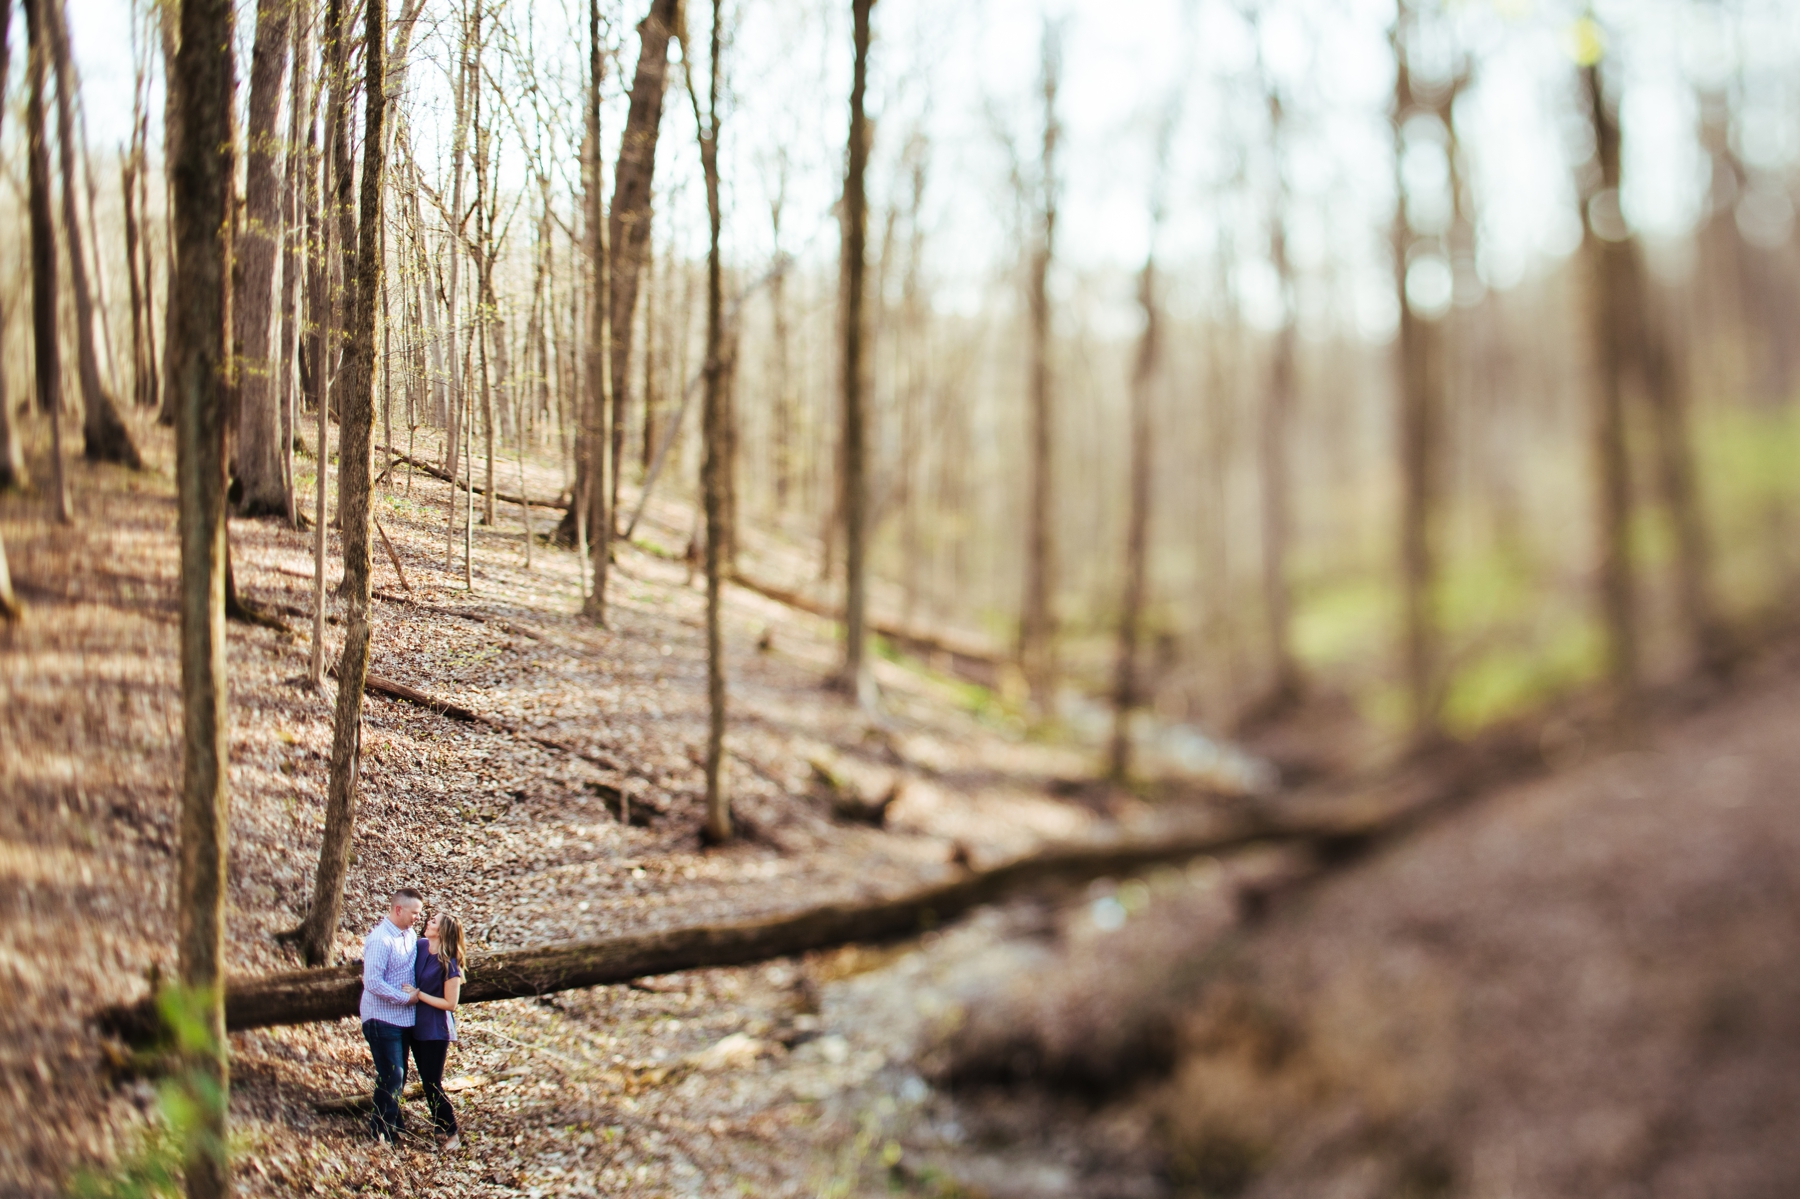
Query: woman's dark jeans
x=430, y=1055
x=387, y=1045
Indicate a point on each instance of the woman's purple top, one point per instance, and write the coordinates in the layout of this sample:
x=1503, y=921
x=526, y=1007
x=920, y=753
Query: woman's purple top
x=433, y=1024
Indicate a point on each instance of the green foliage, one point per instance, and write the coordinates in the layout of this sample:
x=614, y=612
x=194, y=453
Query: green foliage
x=190, y=1104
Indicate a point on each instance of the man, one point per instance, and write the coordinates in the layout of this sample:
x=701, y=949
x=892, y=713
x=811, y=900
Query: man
x=388, y=1012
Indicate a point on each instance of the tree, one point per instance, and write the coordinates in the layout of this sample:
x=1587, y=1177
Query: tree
x=259, y=459
x=105, y=435
x=1137, y=531
x=1608, y=268
x=1420, y=374
x=596, y=496
x=201, y=86
x=628, y=234
x=629, y=229
x=12, y=462
x=853, y=483
x=356, y=426
x=1287, y=685
x=713, y=467
x=46, y=354
x=1037, y=624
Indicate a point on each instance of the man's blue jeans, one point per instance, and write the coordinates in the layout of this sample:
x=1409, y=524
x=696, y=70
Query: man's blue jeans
x=388, y=1044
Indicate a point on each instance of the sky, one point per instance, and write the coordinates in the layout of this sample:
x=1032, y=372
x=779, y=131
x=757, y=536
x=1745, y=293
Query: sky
x=963, y=77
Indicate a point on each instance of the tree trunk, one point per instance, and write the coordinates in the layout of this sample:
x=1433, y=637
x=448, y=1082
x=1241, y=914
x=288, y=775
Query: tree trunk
x=258, y=457
x=853, y=484
x=153, y=385
x=629, y=223
x=594, y=491
x=13, y=476
x=452, y=330
x=9, y=603
x=140, y=372
x=307, y=996
x=107, y=439
x=1137, y=534
x=714, y=466
x=1419, y=347
x=47, y=353
x=201, y=94
x=1666, y=393
x=1286, y=686
x=1608, y=282
x=1037, y=624
x=296, y=213
x=323, y=334
x=356, y=426
x=628, y=232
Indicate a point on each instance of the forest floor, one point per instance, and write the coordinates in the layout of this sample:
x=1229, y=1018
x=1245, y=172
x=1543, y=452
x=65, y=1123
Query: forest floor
x=1580, y=986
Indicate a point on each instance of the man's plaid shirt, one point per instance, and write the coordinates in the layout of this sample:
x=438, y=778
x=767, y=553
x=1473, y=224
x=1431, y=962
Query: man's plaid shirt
x=387, y=966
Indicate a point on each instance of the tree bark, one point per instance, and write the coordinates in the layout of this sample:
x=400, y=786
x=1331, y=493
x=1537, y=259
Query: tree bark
x=713, y=467
x=1037, y=624
x=307, y=996
x=323, y=334
x=592, y=487
x=453, y=249
x=628, y=232
x=104, y=432
x=356, y=426
x=200, y=101
x=854, y=678
x=1137, y=533
x=47, y=354
x=1287, y=685
x=1419, y=348
x=296, y=214
x=258, y=458
x=629, y=223
x=1608, y=265
x=13, y=476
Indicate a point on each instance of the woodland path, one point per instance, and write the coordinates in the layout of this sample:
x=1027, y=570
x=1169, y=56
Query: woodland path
x=1613, y=940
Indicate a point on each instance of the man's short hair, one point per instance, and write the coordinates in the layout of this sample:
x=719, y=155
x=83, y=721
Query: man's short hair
x=405, y=893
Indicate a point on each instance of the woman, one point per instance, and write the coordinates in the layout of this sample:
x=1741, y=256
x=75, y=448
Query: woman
x=437, y=975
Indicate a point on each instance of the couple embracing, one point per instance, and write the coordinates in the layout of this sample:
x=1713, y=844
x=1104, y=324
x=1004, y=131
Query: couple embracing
x=410, y=988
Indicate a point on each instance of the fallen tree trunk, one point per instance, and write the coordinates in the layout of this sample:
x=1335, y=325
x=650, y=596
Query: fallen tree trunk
x=970, y=662
x=438, y=472
x=305, y=996
x=378, y=685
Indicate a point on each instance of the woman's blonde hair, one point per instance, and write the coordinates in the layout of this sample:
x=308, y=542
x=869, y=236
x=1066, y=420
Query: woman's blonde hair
x=450, y=941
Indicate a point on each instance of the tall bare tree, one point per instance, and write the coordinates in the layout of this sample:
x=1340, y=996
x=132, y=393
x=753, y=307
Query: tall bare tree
x=104, y=433
x=853, y=483
x=1419, y=370
x=258, y=457
x=12, y=462
x=1137, y=528
x=597, y=497
x=629, y=229
x=47, y=355
x=356, y=424
x=713, y=467
x=1608, y=260
x=201, y=86
x=1276, y=415
x=1037, y=624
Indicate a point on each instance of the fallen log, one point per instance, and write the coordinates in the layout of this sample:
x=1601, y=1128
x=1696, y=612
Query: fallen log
x=438, y=472
x=378, y=685
x=330, y=993
x=972, y=662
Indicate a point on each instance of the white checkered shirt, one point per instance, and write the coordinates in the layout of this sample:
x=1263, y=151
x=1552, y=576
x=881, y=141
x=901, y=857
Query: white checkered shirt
x=387, y=966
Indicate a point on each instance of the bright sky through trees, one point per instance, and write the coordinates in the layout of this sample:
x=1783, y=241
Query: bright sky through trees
x=963, y=75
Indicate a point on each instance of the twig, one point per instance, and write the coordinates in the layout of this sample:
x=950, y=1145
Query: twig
x=392, y=556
